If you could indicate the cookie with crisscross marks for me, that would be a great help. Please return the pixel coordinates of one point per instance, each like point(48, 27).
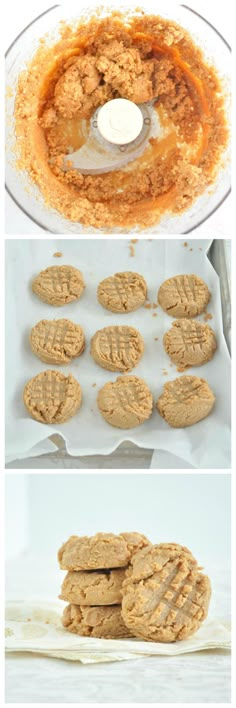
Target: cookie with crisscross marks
point(189, 343)
point(126, 402)
point(185, 401)
point(51, 397)
point(57, 341)
point(122, 292)
point(105, 622)
point(59, 285)
point(117, 348)
point(184, 296)
point(165, 596)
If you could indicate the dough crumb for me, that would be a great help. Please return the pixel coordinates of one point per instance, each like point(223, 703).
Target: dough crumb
point(94, 384)
point(185, 244)
point(208, 316)
point(150, 305)
point(154, 314)
point(58, 254)
point(156, 339)
point(131, 251)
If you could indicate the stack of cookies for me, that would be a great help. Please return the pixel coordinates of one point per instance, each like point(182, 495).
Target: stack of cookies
point(123, 586)
point(96, 571)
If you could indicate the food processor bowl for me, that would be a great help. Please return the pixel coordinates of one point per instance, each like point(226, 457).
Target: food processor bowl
point(18, 183)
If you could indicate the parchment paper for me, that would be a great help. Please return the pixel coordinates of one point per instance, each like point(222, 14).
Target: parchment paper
point(204, 445)
point(36, 627)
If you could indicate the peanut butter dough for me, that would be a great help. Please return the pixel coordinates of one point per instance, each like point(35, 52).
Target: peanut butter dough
point(122, 292)
point(184, 296)
point(126, 402)
point(189, 343)
point(141, 58)
point(51, 397)
point(57, 341)
point(185, 401)
point(117, 348)
point(165, 596)
point(104, 622)
point(59, 285)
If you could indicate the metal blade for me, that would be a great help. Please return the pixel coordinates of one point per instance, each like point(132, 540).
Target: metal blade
point(98, 155)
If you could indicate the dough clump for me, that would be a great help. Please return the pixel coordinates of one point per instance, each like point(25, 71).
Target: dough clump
point(189, 343)
point(126, 402)
point(51, 397)
point(185, 401)
point(122, 292)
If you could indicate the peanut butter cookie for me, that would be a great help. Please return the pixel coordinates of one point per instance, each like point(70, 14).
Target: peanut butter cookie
point(126, 402)
point(135, 541)
point(165, 596)
point(51, 397)
point(189, 343)
point(185, 401)
point(104, 550)
point(57, 341)
point(59, 285)
point(93, 587)
point(104, 622)
point(117, 348)
point(122, 292)
point(183, 296)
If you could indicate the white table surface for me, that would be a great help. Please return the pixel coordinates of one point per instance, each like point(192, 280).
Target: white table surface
point(190, 678)
point(203, 677)
point(18, 15)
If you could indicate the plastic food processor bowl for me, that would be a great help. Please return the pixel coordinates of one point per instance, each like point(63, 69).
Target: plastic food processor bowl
point(18, 184)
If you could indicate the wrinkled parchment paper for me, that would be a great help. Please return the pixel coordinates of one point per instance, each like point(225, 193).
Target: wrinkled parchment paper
point(206, 444)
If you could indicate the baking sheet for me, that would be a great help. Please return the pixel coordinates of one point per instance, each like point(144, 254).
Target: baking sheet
point(205, 445)
point(36, 627)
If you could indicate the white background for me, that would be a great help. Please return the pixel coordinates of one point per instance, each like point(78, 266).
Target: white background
point(18, 14)
point(191, 509)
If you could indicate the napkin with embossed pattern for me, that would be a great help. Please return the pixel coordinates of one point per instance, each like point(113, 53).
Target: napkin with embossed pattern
point(36, 628)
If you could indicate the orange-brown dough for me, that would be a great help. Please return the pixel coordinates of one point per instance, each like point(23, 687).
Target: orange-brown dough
point(142, 59)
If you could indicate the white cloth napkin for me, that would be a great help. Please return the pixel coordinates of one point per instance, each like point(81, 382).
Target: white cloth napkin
point(36, 627)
